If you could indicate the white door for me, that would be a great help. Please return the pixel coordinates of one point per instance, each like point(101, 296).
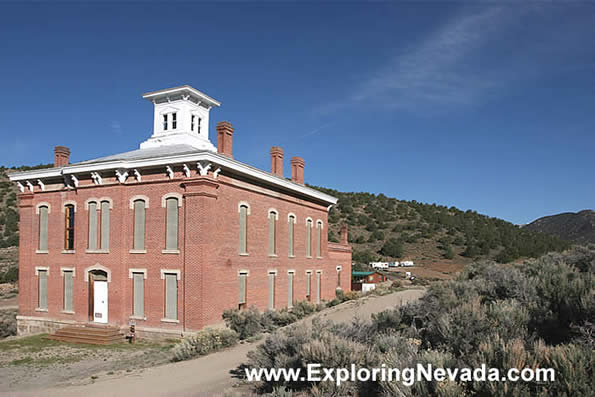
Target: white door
point(100, 301)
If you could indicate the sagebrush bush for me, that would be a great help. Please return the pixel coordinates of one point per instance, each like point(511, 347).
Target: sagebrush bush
point(8, 323)
point(537, 314)
point(246, 323)
point(204, 342)
point(303, 309)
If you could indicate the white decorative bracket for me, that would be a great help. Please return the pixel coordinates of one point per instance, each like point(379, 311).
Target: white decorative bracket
point(186, 170)
point(29, 185)
point(203, 167)
point(41, 185)
point(170, 172)
point(96, 178)
point(75, 180)
point(21, 187)
point(121, 175)
point(137, 175)
point(216, 173)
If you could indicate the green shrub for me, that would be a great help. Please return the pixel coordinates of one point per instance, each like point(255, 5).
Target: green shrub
point(303, 309)
point(10, 276)
point(204, 342)
point(246, 323)
point(8, 322)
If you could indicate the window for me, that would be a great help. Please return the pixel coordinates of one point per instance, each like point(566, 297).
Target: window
point(272, 232)
point(139, 225)
point(318, 286)
point(338, 276)
point(272, 276)
point(243, 278)
point(308, 285)
point(309, 238)
point(68, 278)
point(171, 296)
point(174, 121)
point(290, 275)
point(138, 306)
point(92, 225)
point(42, 289)
point(318, 239)
point(199, 121)
point(69, 227)
point(290, 233)
point(192, 122)
point(243, 229)
point(43, 228)
point(165, 122)
point(104, 240)
point(171, 235)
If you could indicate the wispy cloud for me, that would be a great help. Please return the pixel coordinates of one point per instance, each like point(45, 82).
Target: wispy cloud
point(116, 127)
point(437, 71)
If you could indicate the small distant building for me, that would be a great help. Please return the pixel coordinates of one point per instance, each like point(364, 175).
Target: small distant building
point(407, 263)
point(379, 265)
point(393, 264)
point(365, 281)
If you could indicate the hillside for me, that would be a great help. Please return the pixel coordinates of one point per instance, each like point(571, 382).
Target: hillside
point(577, 227)
point(386, 228)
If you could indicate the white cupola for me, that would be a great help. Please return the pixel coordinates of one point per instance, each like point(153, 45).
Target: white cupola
point(181, 117)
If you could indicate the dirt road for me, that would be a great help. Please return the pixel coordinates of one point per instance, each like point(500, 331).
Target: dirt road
point(210, 375)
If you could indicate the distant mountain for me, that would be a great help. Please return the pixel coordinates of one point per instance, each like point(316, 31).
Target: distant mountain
point(576, 227)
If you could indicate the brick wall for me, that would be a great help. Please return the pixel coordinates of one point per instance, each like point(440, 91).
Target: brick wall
point(209, 258)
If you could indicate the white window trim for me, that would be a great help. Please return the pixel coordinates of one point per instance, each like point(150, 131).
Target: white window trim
point(68, 202)
point(177, 272)
point(272, 271)
point(309, 219)
point(244, 203)
point(67, 269)
point(292, 271)
point(308, 271)
point(139, 197)
point(339, 268)
point(89, 201)
point(243, 272)
point(294, 218)
point(318, 271)
point(274, 211)
point(43, 204)
point(42, 268)
point(132, 271)
point(97, 266)
point(171, 195)
point(109, 200)
point(319, 222)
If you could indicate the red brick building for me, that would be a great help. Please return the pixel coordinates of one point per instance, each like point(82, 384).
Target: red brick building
point(172, 234)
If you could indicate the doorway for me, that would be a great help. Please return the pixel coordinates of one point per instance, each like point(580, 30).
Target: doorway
point(98, 296)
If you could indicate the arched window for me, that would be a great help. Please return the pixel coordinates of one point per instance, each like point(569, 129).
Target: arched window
point(139, 225)
point(171, 235)
point(309, 238)
point(92, 208)
point(290, 227)
point(105, 214)
point(44, 210)
point(244, 211)
point(69, 227)
point(319, 239)
point(273, 232)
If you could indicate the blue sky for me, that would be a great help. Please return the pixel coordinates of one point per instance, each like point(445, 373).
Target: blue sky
point(482, 105)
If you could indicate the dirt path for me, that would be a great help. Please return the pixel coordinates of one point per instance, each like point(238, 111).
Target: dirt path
point(211, 374)
point(10, 303)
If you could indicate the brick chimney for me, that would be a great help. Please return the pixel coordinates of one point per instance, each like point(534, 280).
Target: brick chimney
point(225, 138)
point(61, 156)
point(344, 234)
point(297, 170)
point(277, 161)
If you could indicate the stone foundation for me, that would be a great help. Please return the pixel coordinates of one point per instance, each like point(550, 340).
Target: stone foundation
point(37, 325)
